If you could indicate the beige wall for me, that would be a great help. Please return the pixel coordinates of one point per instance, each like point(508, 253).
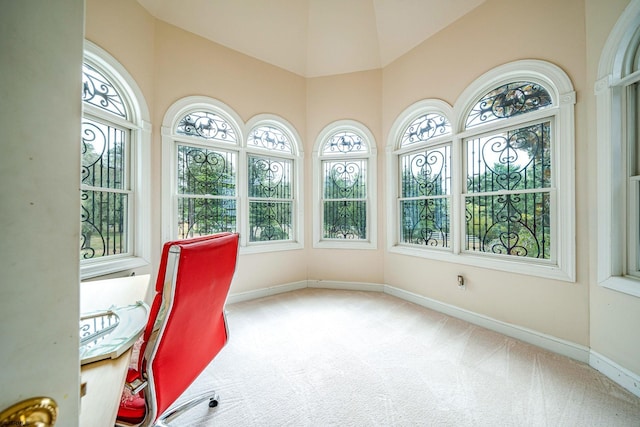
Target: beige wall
point(442, 67)
point(354, 96)
point(169, 63)
point(614, 316)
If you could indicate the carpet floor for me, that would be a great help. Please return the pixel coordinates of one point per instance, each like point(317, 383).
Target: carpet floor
point(318, 357)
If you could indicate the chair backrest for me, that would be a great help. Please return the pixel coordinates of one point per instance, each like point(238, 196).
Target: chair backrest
point(186, 327)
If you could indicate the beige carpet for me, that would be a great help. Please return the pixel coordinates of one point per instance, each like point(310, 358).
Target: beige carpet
point(317, 357)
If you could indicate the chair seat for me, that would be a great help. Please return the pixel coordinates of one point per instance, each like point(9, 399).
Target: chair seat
point(132, 408)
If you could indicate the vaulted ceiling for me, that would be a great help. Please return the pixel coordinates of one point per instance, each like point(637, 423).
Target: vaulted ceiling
point(314, 37)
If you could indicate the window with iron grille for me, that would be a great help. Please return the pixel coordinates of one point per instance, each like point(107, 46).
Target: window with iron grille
point(114, 144)
point(270, 183)
point(489, 182)
point(345, 172)
point(221, 180)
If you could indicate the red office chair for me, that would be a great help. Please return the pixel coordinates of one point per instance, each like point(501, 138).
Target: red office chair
point(186, 328)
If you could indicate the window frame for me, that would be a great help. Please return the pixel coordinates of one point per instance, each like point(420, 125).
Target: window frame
point(618, 210)
point(297, 241)
point(170, 140)
point(138, 127)
point(370, 156)
point(563, 167)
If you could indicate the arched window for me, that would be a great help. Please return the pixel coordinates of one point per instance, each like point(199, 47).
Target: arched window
point(618, 106)
point(200, 178)
point(344, 190)
point(273, 182)
point(114, 171)
point(424, 165)
point(223, 175)
point(489, 182)
point(509, 181)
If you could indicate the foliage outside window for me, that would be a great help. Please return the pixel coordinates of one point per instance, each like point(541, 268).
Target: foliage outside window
point(206, 175)
point(206, 191)
point(489, 182)
point(508, 205)
point(225, 175)
point(270, 185)
point(105, 188)
point(343, 194)
point(425, 183)
point(114, 180)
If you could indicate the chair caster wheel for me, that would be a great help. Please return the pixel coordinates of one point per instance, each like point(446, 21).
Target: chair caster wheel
point(213, 403)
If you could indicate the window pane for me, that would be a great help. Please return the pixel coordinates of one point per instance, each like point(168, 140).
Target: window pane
point(97, 90)
point(202, 216)
point(424, 128)
point(270, 138)
point(103, 155)
point(206, 172)
point(509, 224)
point(426, 173)
point(513, 160)
point(269, 177)
point(508, 100)
point(345, 179)
point(345, 220)
point(426, 222)
point(103, 224)
point(270, 221)
point(206, 125)
point(344, 142)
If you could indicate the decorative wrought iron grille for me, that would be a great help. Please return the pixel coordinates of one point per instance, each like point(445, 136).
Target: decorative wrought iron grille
point(270, 199)
point(206, 187)
point(508, 205)
point(424, 128)
point(270, 138)
point(508, 100)
point(425, 197)
point(99, 91)
point(104, 196)
point(206, 125)
point(344, 142)
point(345, 205)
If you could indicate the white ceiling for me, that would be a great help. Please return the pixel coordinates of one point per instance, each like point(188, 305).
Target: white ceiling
point(314, 37)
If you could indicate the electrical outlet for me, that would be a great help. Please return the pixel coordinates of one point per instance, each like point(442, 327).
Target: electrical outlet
point(461, 282)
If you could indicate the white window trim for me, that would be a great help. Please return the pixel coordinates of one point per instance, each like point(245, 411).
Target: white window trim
point(140, 159)
point(169, 147)
point(371, 156)
point(563, 95)
point(298, 184)
point(393, 152)
point(170, 142)
point(611, 144)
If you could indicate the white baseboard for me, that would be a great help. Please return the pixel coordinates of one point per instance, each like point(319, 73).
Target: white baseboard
point(350, 286)
point(607, 367)
point(548, 342)
point(615, 372)
point(265, 292)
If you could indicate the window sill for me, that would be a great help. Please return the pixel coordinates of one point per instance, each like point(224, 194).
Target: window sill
point(344, 244)
point(532, 268)
point(626, 285)
point(101, 268)
point(256, 248)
